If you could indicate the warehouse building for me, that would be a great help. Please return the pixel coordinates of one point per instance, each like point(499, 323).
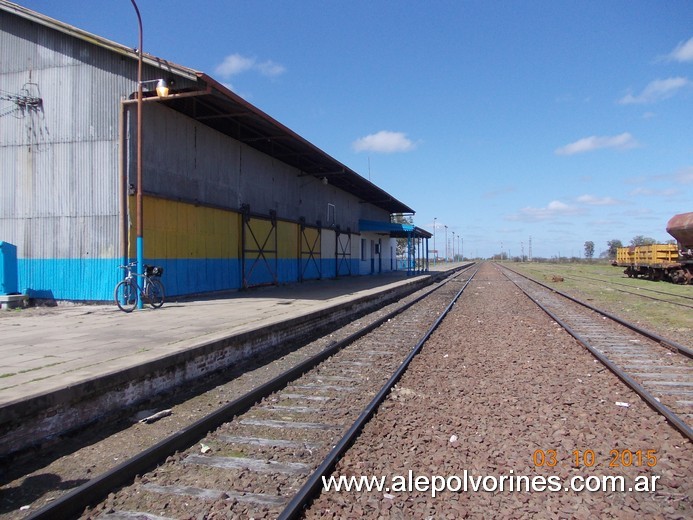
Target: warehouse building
point(230, 198)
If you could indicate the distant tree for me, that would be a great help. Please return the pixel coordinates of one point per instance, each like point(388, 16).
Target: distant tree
point(613, 245)
point(640, 240)
point(398, 218)
point(589, 249)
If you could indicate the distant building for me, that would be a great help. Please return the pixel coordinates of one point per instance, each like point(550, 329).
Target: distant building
point(231, 197)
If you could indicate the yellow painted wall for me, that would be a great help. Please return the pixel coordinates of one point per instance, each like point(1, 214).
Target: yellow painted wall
point(310, 240)
point(287, 239)
point(180, 230)
point(259, 235)
point(175, 229)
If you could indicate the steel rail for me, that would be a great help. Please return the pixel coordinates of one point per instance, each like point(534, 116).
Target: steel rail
point(667, 343)
point(653, 298)
point(638, 288)
point(311, 488)
point(72, 504)
point(672, 417)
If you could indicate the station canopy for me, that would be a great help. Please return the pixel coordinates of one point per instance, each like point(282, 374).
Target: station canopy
point(394, 229)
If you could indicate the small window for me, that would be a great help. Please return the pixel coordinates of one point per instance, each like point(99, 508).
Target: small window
point(363, 249)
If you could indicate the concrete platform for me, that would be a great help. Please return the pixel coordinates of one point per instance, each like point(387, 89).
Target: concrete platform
point(65, 366)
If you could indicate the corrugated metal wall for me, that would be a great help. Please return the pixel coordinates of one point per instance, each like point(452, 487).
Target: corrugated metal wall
point(197, 246)
point(59, 160)
point(60, 186)
point(187, 160)
point(193, 164)
point(204, 249)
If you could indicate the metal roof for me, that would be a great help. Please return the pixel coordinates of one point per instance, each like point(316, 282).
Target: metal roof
point(217, 107)
point(214, 105)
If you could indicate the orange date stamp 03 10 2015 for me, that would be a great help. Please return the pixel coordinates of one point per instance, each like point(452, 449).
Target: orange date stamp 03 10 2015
point(588, 458)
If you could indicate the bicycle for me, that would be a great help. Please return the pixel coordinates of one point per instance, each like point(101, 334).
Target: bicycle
point(126, 291)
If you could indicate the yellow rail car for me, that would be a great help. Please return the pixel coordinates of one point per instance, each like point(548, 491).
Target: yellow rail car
point(670, 262)
point(654, 262)
point(655, 254)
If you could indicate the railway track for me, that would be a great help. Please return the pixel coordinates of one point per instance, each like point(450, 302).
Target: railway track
point(658, 369)
point(666, 297)
point(264, 454)
point(638, 291)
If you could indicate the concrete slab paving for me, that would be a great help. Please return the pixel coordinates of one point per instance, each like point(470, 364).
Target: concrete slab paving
point(46, 349)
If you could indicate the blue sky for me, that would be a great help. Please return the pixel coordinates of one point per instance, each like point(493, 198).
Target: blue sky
point(563, 121)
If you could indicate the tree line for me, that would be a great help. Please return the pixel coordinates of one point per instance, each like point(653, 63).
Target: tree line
point(614, 244)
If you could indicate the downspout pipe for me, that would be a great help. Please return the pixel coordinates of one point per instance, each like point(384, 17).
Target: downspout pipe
point(122, 185)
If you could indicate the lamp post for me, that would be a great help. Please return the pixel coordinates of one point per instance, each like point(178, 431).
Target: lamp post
point(162, 91)
point(446, 243)
point(435, 251)
point(138, 196)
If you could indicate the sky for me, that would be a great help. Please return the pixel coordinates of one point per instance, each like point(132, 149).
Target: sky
point(504, 122)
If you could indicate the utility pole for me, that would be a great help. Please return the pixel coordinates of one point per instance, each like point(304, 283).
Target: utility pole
point(435, 251)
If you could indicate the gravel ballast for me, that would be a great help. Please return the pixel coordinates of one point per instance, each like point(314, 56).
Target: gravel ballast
point(500, 390)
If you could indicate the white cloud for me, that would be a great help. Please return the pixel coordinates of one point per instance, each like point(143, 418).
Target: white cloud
point(654, 192)
point(270, 68)
point(656, 90)
point(591, 200)
point(662, 185)
point(235, 64)
point(554, 209)
point(384, 142)
point(683, 52)
point(588, 144)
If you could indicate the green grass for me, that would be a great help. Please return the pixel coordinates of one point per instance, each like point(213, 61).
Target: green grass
point(602, 285)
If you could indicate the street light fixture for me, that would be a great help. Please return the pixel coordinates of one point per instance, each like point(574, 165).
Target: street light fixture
point(161, 86)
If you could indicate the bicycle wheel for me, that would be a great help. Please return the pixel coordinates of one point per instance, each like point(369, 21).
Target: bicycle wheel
point(125, 295)
point(155, 293)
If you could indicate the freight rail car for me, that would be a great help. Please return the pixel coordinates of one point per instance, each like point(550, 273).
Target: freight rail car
point(670, 262)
